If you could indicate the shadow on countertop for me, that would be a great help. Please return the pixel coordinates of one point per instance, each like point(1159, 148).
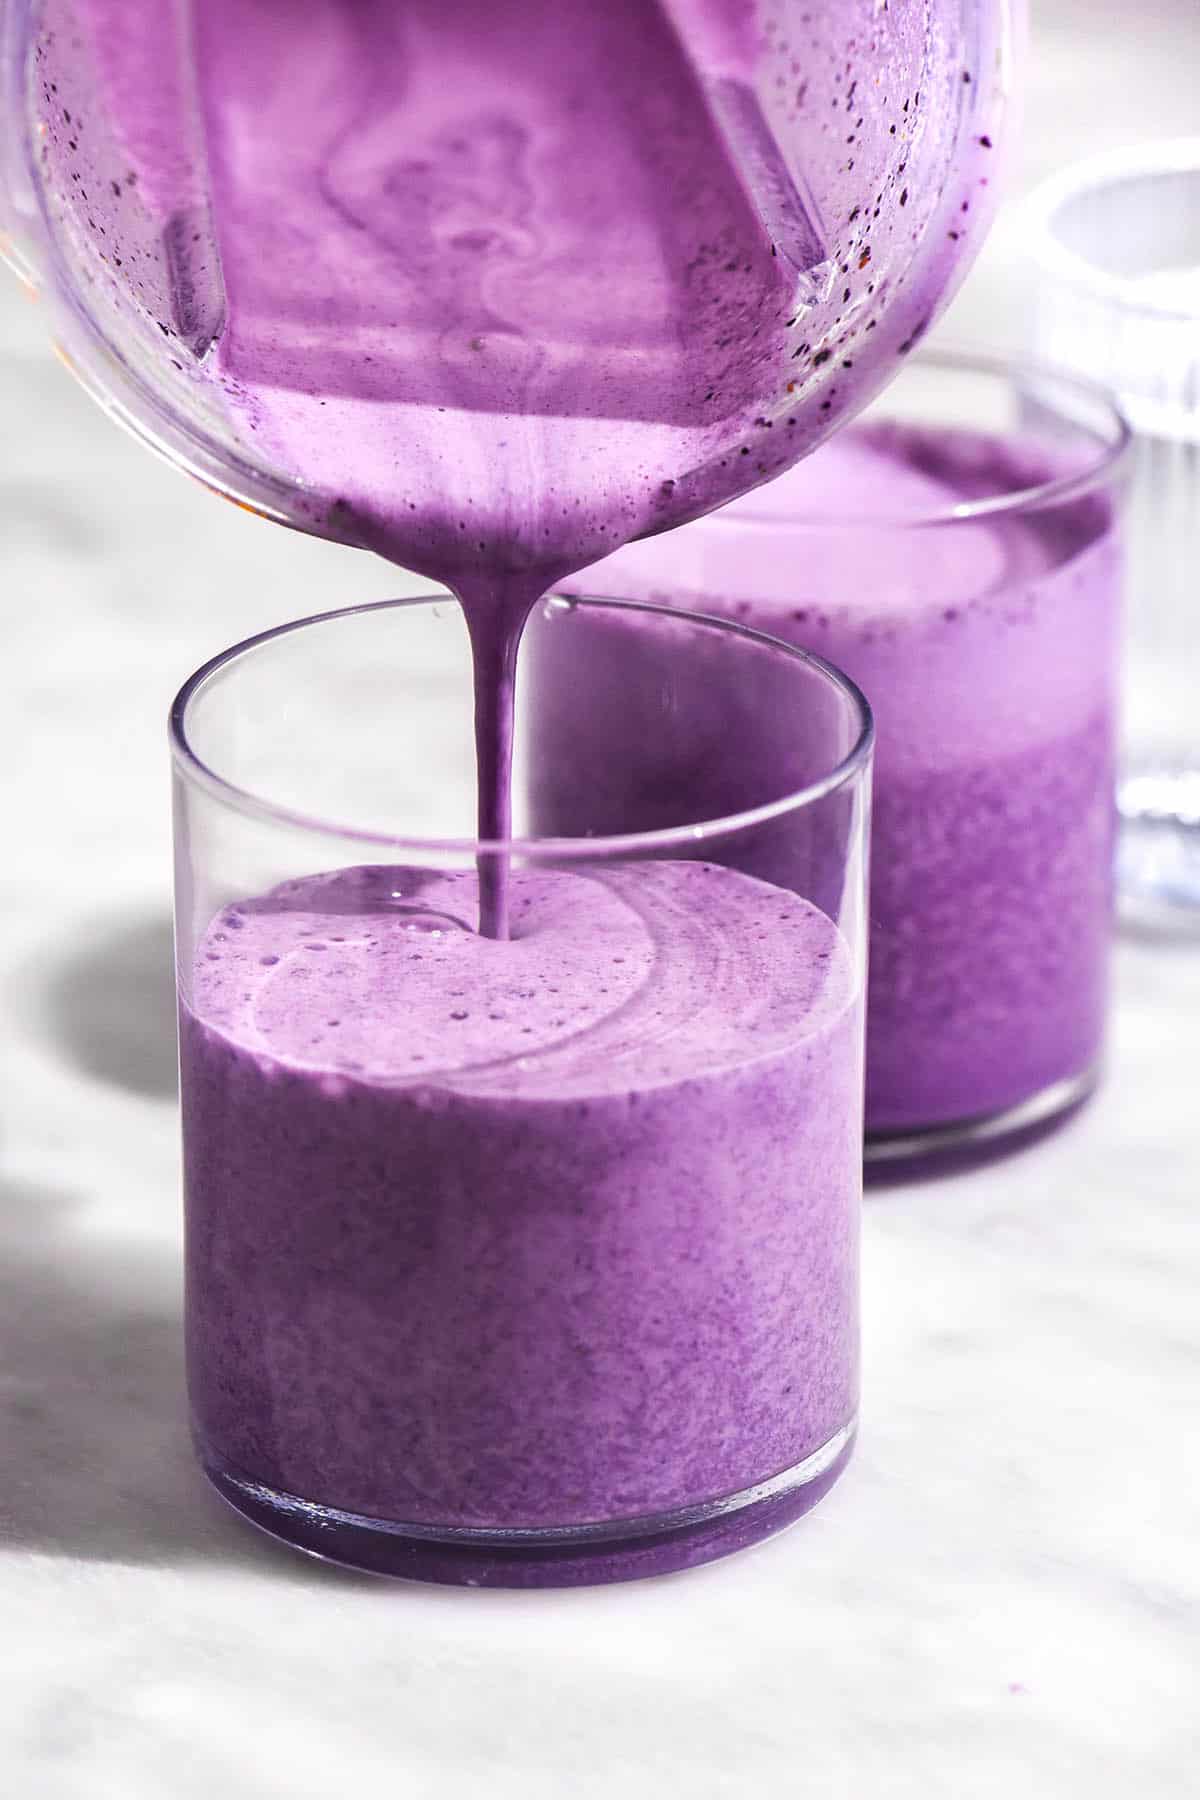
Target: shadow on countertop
point(968, 1158)
point(109, 1005)
point(96, 1463)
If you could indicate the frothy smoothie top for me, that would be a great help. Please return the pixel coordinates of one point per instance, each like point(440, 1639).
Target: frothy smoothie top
point(616, 980)
point(880, 527)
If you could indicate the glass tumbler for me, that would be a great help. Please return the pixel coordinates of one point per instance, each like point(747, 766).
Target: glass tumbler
point(957, 553)
point(523, 1262)
point(1115, 248)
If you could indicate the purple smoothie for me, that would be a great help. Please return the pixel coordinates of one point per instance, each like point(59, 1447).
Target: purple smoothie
point(494, 289)
point(552, 1232)
point(988, 652)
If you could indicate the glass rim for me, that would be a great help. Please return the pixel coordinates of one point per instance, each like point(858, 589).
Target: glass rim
point(1105, 468)
point(1109, 169)
point(194, 769)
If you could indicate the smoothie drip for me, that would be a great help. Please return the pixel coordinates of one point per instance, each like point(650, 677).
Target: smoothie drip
point(495, 612)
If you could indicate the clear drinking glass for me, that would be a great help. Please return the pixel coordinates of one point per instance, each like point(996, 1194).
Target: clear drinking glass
point(1115, 246)
point(528, 1262)
point(957, 553)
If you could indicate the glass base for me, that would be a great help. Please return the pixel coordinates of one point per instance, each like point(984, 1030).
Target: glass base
point(576, 1556)
point(1158, 854)
point(941, 1149)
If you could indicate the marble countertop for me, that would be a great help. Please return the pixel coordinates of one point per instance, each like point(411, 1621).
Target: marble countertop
point(1002, 1596)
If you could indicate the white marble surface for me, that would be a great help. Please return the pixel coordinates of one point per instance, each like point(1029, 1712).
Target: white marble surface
point(1001, 1597)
